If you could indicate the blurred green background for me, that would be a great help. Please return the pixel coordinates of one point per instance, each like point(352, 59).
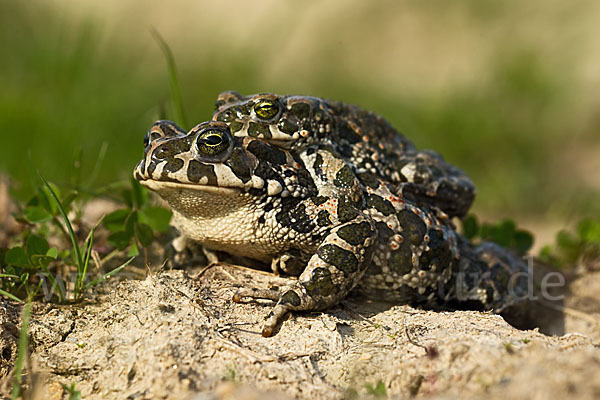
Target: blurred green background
point(506, 90)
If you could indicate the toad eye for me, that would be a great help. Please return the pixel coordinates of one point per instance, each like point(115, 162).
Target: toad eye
point(266, 109)
point(213, 142)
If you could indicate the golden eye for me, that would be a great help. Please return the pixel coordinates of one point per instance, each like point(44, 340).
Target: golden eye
point(212, 142)
point(266, 109)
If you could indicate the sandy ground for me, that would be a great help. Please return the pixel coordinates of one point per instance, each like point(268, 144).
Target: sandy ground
point(175, 336)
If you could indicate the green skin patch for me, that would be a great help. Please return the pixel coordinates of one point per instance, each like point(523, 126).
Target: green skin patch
point(343, 260)
point(413, 227)
point(288, 127)
point(256, 130)
point(290, 297)
point(344, 178)
point(356, 234)
point(239, 165)
point(323, 218)
point(197, 170)
point(380, 204)
point(172, 148)
point(401, 260)
point(321, 284)
point(268, 153)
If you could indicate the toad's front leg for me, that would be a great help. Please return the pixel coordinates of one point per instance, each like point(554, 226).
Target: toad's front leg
point(334, 270)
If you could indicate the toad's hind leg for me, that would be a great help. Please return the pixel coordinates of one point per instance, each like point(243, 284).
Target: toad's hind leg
point(334, 270)
point(490, 275)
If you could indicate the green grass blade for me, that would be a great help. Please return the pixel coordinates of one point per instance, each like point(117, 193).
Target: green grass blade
point(176, 97)
point(108, 274)
point(10, 296)
point(21, 352)
point(76, 248)
point(97, 164)
point(86, 262)
point(36, 291)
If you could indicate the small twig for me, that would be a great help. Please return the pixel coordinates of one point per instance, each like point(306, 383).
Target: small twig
point(202, 271)
point(162, 266)
point(97, 260)
point(253, 356)
point(363, 318)
point(253, 270)
point(224, 271)
point(183, 294)
point(109, 256)
point(410, 339)
point(430, 351)
point(294, 356)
